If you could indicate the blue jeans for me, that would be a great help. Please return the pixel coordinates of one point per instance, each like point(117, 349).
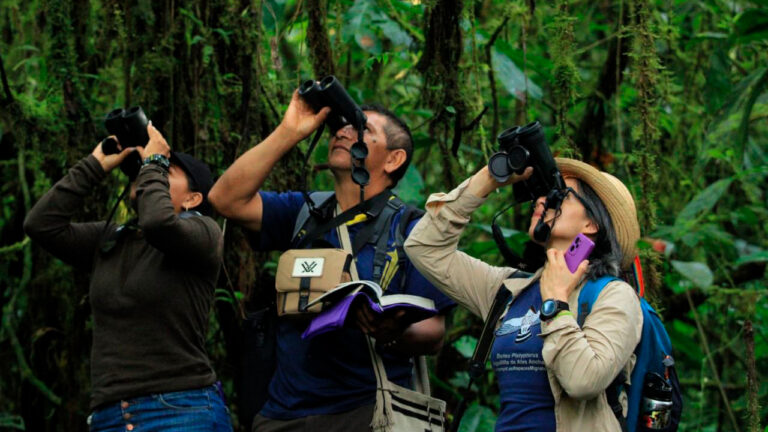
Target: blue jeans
point(190, 410)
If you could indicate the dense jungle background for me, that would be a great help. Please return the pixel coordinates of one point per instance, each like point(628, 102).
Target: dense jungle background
point(670, 95)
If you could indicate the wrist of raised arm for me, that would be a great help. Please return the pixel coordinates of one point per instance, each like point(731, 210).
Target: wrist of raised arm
point(285, 137)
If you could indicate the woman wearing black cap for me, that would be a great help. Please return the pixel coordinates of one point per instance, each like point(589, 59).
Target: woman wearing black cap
point(151, 289)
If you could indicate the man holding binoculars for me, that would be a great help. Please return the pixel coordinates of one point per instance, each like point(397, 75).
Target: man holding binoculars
point(328, 382)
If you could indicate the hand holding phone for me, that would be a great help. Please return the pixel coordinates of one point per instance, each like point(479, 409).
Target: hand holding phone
point(578, 251)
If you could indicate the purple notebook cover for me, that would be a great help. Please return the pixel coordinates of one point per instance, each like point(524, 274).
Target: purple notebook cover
point(334, 317)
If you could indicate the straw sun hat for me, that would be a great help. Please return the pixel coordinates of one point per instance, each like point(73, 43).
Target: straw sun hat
point(617, 200)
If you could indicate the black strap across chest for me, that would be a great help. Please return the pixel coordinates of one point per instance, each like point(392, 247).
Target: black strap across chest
point(380, 211)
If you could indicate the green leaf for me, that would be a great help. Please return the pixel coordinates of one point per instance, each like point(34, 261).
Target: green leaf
point(704, 201)
point(718, 79)
point(207, 53)
point(683, 337)
point(395, 33)
point(711, 35)
point(11, 421)
point(465, 345)
point(512, 78)
point(410, 188)
point(756, 257)
point(358, 25)
point(189, 14)
point(755, 91)
point(697, 272)
point(751, 25)
point(478, 418)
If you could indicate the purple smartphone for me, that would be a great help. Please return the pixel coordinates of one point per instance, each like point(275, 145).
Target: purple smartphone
point(578, 251)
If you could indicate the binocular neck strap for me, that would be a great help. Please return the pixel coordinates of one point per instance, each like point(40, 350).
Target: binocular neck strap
point(313, 143)
point(360, 123)
point(310, 202)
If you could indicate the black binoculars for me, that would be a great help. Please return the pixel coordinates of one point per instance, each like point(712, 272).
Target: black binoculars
point(330, 93)
point(130, 128)
point(344, 111)
point(521, 147)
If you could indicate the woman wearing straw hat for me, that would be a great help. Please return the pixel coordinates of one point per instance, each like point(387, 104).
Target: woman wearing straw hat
point(552, 373)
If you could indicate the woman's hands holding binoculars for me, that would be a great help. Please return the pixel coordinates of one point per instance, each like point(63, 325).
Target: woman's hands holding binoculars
point(156, 145)
point(110, 161)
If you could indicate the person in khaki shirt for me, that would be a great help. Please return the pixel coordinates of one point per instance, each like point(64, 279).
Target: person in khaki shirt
point(552, 374)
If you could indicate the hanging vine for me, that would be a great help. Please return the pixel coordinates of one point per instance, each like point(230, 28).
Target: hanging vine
point(566, 75)
point(645, 134)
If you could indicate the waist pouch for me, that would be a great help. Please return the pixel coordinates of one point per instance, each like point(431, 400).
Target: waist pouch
point(305, 274)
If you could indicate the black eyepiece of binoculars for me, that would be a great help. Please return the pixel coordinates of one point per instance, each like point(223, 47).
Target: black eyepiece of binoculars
point(519, 148)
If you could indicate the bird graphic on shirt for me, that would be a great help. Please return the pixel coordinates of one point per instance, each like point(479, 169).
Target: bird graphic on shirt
point(522, 325)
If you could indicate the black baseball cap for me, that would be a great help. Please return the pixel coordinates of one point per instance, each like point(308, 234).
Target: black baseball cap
point(201, 179)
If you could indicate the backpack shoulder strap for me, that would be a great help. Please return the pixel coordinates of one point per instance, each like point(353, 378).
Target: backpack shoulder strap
point(381, 236)
point(320, 199)
point(410, 213)
point(588, 296)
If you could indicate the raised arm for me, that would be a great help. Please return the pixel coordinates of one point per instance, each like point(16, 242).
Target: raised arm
point(49, 222)
point(196, 239)
point(236, 194)
point(432, 245)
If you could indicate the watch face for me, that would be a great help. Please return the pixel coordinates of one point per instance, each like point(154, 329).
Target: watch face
point(548, 307)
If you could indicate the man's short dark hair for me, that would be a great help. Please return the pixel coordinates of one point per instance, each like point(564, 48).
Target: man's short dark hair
point(398, 137)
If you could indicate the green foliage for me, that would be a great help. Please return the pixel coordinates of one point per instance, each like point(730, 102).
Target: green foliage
point(683, 125)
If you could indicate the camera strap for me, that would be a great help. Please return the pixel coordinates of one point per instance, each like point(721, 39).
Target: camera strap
point(485, 342)
point(106, 244)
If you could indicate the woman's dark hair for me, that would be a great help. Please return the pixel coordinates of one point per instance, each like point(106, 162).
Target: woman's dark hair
point(606, 257)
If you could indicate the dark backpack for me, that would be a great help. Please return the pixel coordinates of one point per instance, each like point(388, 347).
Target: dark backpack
point(654, 363)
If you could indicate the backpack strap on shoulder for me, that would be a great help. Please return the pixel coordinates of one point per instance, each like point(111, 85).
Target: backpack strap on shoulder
point(587, 298)
point(320, 199)
point(381, 229)
point(410, 213)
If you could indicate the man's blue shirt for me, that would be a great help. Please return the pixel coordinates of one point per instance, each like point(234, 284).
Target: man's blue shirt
point(330, 373)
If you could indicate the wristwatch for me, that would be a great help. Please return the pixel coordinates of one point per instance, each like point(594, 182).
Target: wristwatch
point(159, 160)
point(552, 307)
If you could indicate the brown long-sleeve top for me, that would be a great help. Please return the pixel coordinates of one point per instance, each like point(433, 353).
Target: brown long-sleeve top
point(150, 294)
